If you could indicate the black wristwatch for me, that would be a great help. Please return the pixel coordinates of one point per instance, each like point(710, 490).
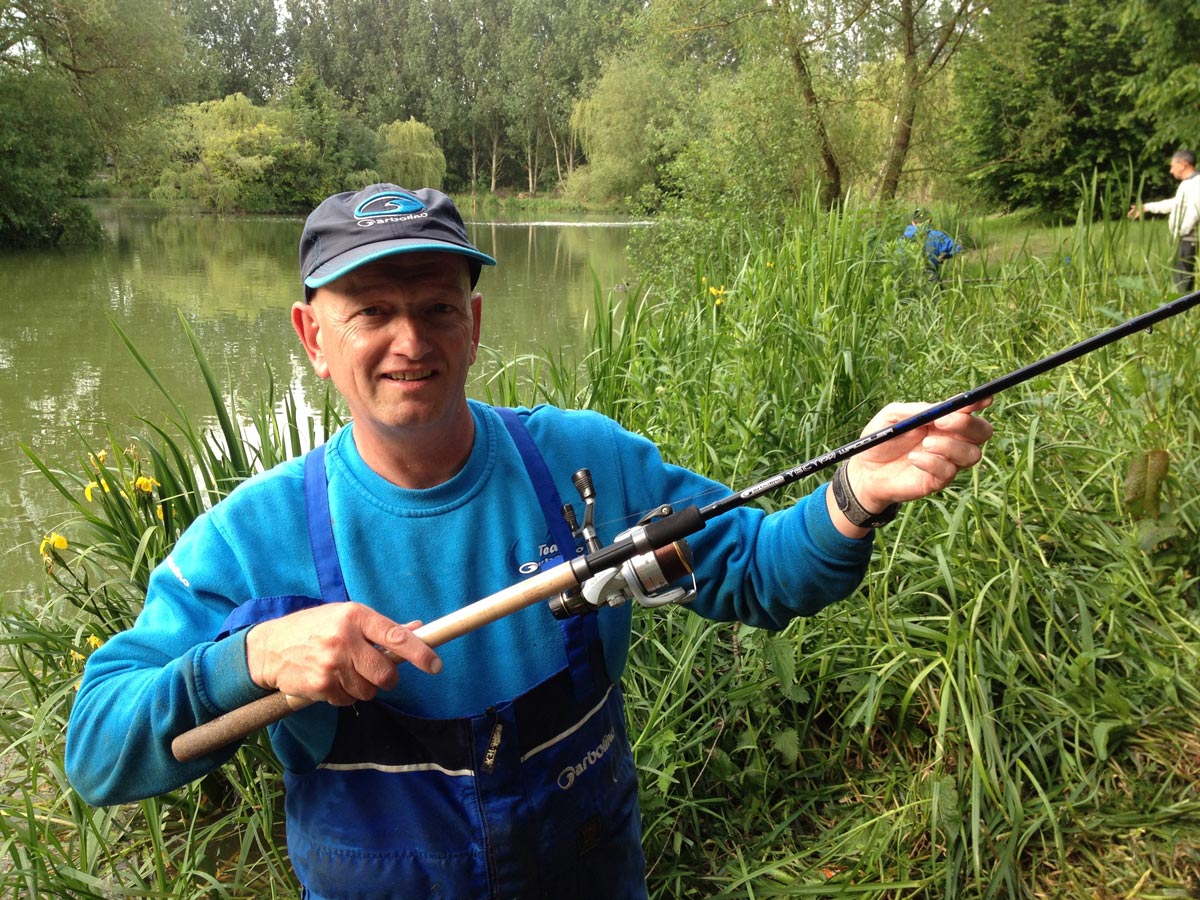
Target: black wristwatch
point(844, 497)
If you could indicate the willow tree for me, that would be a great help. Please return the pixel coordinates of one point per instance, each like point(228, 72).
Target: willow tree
point(410, 155)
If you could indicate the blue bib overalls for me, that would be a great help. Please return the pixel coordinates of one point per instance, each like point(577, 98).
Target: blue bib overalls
point(532, 798)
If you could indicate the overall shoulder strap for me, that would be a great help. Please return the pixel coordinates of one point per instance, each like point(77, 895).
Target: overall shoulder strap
point(320, 528)
point(543, 483)
point(320, 536)
point(581, 635)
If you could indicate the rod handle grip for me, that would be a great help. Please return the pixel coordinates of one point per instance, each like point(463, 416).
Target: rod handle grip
point(240, 723)
point(235, 725)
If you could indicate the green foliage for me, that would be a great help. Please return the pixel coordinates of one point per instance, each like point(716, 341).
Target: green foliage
point(1164, 34)
point(220, 837)
point(118, 55)
point(410, 156)
point(46, 154)
point(222, 152)
point(622, 126)
point(613, 102)
point(232, 155)
point(1039, 117)
point(239, 44)
point(755, 149)
point(75, 77)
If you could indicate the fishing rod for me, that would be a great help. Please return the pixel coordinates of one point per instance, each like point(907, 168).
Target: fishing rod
point(654, 552)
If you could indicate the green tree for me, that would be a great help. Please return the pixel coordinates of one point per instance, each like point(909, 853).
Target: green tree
point(495, 79)
point(232, 155)
point(483, 88)
point(47, 152)
point(76, 76)
point(553, 51)
point(803, 80)
point(327, 148)
point(1043, 102)
point(928, 35)
point(465, 102)
point(1162, 39)
point(239, 44)
point(370, 53)
point(625, 126)
point(223, 155)
point(410, 155)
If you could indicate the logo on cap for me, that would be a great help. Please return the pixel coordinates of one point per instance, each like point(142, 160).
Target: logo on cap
point(388, 203)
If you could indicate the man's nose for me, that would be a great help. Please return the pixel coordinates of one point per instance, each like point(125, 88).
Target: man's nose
point(408, 337)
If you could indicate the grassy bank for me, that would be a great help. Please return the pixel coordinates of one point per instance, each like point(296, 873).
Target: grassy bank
point(1009, 707)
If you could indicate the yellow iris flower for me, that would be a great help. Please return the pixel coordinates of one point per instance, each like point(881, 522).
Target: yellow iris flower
point(145, 484)
point(94, 486)
point(53, 540)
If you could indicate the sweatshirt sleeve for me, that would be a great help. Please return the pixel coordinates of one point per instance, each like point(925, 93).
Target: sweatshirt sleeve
point(1159, 207)
point(147, 685)
point(763, 570)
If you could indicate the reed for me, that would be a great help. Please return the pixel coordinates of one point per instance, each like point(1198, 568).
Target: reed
point(1008, 707)
point(129, 500)
point(1025, 643)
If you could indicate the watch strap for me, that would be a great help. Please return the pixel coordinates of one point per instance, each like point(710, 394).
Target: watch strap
point(858, 515)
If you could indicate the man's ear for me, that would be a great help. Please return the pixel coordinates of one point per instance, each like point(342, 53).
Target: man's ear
point(308, 329)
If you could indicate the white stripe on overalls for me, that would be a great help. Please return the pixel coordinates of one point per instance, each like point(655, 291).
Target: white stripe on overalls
point(434, 767)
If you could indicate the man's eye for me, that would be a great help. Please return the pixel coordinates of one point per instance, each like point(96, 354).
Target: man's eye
point(370, 311)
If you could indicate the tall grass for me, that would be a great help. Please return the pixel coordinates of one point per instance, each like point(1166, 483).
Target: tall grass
point(1009, 707)
point(220, 837)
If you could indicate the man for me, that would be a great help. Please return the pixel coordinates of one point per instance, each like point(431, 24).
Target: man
point(938, 245)
point(498, 767)
point(1183, 212)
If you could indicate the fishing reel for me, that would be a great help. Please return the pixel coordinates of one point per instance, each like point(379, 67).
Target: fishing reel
point(645, 579)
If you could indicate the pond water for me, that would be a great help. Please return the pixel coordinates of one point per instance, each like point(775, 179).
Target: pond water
point(66, 374)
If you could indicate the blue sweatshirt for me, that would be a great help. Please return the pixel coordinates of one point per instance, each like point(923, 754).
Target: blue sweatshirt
point(939, 246)
point(419, 554)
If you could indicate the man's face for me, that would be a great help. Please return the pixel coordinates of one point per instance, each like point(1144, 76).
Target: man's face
point(1178, 168)
point(397, 338)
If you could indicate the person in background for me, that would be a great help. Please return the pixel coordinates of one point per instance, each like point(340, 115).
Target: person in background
point(499, 765)
point(938, 245)
point(1183, 214)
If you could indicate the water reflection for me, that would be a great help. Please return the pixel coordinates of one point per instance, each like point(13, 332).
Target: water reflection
point(65, 374)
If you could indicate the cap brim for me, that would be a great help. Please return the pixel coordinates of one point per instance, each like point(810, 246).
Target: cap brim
point(360, 256)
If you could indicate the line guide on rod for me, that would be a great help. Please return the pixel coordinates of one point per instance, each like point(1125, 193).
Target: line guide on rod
point(244, 721)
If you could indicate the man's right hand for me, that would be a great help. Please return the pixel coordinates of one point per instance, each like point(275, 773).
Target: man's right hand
point(333, 653)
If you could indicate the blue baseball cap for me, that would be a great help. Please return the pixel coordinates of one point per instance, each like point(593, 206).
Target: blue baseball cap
point(351, 229)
